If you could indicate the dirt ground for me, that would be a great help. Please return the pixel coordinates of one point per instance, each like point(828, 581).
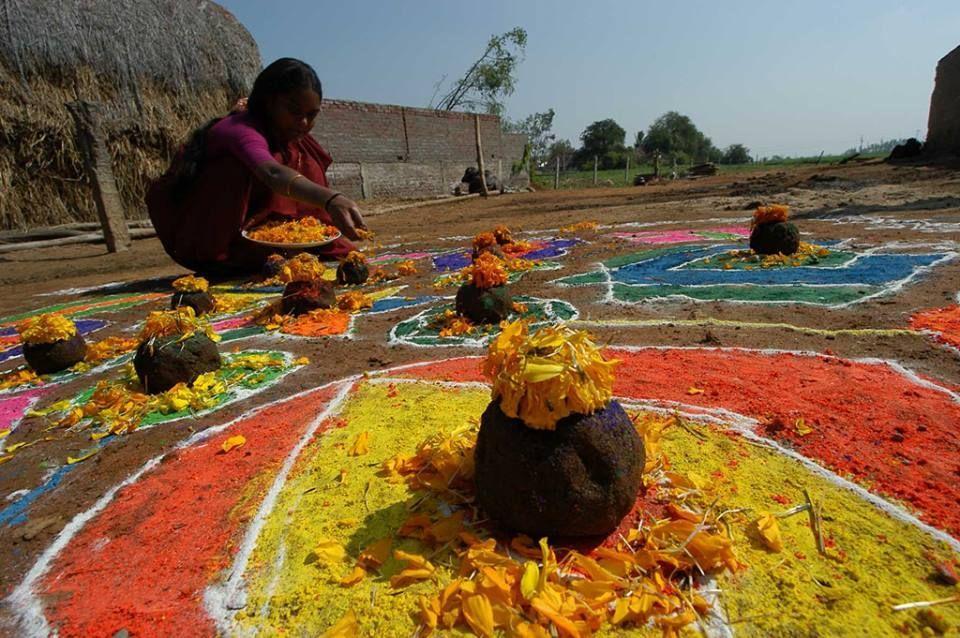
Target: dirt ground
point(870, 205)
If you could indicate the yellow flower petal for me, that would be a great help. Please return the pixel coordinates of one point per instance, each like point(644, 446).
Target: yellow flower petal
point(361, 446)
point(233, 442)
point(531, 579)
point(346, 627)
point(479, 614)
point(769, 531)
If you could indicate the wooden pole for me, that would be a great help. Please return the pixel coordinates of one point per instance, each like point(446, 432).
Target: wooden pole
point(626, 173)
point(483, 179)
point(594, 170)
point(556, 175)
point(92, 145)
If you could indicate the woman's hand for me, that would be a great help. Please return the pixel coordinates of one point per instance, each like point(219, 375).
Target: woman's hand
point(346, 216)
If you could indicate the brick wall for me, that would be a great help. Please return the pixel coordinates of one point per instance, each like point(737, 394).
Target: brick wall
point(943, 134)
point(381, 150)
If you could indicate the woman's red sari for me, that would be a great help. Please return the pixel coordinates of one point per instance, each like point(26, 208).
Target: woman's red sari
point(201, 231)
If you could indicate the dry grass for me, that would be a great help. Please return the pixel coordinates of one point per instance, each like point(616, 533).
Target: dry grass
point(159, 69)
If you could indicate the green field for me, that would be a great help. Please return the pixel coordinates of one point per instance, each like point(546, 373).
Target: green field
point(544, 178)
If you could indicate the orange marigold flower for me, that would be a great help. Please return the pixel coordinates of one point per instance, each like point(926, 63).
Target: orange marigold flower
point(109, 348)
point(298, 231)
point(770, 214)
point(46, 328)
point(548, 375)
point(406, 268)
point(502, 234)
point(354, 301)
point(484, 240)
point(191, 283)
point(487, 271)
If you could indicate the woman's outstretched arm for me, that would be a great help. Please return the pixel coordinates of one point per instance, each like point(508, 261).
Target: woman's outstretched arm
point(285, 181)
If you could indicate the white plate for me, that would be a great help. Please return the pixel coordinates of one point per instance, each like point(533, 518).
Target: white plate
point(296, 246)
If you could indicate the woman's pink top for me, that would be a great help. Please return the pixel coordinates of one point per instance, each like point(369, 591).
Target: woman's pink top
point(239, 135)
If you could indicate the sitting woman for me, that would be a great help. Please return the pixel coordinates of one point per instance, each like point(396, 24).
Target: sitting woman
point(255, 165)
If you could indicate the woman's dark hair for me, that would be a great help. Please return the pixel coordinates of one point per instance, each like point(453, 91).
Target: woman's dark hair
point(282, 76)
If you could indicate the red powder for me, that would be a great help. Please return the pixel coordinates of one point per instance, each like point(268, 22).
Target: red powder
point(144, 563)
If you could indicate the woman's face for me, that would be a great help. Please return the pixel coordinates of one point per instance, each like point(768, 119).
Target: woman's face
point(292, 114)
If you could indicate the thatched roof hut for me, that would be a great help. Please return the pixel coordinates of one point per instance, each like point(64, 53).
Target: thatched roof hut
point(158, 67)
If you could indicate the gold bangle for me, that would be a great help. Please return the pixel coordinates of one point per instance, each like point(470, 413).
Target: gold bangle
point(292, 180)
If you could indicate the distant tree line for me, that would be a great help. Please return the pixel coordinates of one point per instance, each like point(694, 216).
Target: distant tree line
point(673, 136)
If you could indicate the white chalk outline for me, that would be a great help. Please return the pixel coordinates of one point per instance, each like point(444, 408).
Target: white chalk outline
point(608, 297)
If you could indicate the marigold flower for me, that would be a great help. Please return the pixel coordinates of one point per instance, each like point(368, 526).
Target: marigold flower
point(544, 377)
point(356, 258)
point(579, 227)
point(484, 240)
point(191, 283)
point(354, 301)
point(502, 234)
point(298, 231)
point(487, 271)
point(406, 268)
point(46, 328)
point(181, 321)
point(109, 348)
point(302, 267)
point(770, 214)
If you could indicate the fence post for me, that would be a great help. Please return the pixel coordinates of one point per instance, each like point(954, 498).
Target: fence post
point(92, 145)
point(594, 170)
point(483, 179)
point(366, 190)
point(556, 175)
point(626, 173)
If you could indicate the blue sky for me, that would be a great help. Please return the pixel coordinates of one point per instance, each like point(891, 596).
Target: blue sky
point(781, 77)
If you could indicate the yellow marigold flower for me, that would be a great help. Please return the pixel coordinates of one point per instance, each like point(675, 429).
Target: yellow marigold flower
point(487, 271)
point(354, 301)
point(355, 258)
point(298, 231)
point(406, 268)
point(46, 328)
point(303, 267)
point(191, 283)
point(578, 227)
point(770, 214)
point(180, 321)
point(544, 377)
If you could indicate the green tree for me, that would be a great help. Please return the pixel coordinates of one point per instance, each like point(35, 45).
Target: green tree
point(490, 79)
point(562, 149)
point(676, 136)
point(536, 127)
point(736, 154)
point(603, 139)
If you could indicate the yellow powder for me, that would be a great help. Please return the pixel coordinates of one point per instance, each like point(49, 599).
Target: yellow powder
point(782, 594)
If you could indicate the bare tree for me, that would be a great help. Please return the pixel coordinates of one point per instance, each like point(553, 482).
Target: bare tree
point(491, 78)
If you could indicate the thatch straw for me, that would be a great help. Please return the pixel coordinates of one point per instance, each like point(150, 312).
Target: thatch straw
point(159, 68)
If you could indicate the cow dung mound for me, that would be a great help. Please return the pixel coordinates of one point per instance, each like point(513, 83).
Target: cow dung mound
point(300, 297)
point(775, 238)
point(47, 358)
point(580, 479)
point(489, 306)
point(201, 302)
point(163, 363)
